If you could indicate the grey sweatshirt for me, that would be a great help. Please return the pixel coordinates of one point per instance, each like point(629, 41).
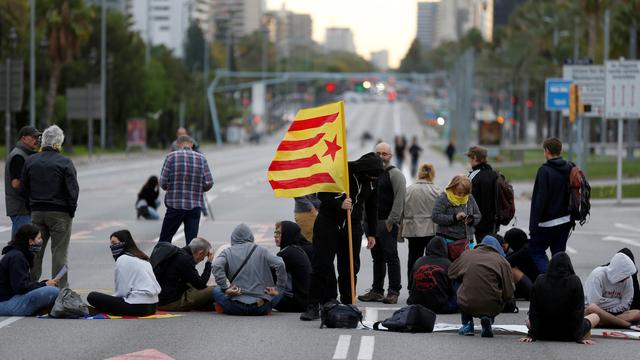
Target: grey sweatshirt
point(444, 215)
point(399, 184)
point(605, 286)
point(256, 274)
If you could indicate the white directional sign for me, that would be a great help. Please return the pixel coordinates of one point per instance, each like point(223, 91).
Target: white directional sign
point(591, 81)
point(623, 89)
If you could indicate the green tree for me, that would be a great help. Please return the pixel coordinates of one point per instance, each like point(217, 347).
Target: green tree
point(194, 47)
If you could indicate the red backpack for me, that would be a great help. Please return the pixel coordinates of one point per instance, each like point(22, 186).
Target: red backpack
point(579, 195)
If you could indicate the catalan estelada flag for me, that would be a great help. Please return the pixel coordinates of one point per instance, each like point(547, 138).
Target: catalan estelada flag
point(312, 157)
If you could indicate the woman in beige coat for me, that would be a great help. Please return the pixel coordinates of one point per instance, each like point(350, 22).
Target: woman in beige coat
point(417, 225)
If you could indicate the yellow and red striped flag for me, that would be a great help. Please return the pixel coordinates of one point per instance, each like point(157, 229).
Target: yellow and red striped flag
point(312, 157)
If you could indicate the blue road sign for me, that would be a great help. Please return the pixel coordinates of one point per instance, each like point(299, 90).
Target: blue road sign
point(557, 94)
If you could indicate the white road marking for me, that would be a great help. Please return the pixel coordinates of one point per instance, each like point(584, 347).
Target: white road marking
point(626, 227)
point(366, 348)
point(10, 321)
point(571, 250)
point(370, 314)
point(342, 348)
point(622, 240)
point(5, 228)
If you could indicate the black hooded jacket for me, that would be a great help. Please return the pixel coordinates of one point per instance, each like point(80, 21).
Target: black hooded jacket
point(363, 175)
point(429, 283)
point(520, 257)
point(557, 303)
point(483, 189)
point(15, 276)
point(550, 198)
point(298, 268)
point(293, 235)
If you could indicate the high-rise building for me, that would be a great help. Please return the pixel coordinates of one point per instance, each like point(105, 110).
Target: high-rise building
point(289, 31)
point(339, 39)
point(380, 59)
point(458, 17)
point(241, 17)
point(427, 23)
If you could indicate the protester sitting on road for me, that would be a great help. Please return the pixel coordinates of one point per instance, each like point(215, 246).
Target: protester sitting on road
point(136, 288)
point(183, 289)
point(243, 272)
point(609, 292)
point(293, 233)
point(417, 224)
point(148, 202)
point(456, 213)
point(19, 295)
point(429, 283)
point(486, 285)
point(523, 268)
point(556, 311)
point(297, 264)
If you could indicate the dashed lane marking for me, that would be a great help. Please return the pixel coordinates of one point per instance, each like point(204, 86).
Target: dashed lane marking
point(571, 250)
point(622, 240)
point(342, 348)
point(367, 344)
point(9, 321)
point(626, 227)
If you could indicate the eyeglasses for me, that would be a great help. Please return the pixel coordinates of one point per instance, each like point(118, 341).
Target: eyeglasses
point(380, 153)
point(277, 232)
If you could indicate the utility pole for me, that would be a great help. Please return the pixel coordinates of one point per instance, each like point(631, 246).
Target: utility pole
point(103, 75)
point(32, 63)
point(605, 57)
point(147, 53)
point(632, 123)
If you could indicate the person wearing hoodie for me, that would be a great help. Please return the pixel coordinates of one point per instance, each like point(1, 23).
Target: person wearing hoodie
point(330, 234)
point(549, 220)
point(609, 292)
point(556, 311)
point(289, 239)
point(635, 304)
point(523, 268)
point(243, 273)
point(486, 287)
point(293, 234)
point(19, 295)
point(429, 283)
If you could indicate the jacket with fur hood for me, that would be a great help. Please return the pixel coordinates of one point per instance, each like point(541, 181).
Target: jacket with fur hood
point(611, 287)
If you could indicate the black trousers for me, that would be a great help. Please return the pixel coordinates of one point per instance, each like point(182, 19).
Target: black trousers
point(417, 249)
point(385, 258)
point(331, 241)
point(117, 306)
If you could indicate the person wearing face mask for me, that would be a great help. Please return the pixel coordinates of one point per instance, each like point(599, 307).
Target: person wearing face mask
point(136, 288)
point(19, 295)
point(287, 236)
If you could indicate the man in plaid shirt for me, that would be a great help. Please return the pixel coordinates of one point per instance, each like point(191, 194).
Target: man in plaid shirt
point(185, 177)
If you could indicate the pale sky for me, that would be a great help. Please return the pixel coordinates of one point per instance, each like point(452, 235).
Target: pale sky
point(376, 24)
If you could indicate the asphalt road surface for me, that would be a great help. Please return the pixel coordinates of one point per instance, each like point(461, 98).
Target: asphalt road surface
point(108, 189)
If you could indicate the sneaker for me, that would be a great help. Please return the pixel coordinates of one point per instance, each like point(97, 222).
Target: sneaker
point(466, 329)
point(372, 296)
point(391, 298)
point(486, 327)
point(312, 313)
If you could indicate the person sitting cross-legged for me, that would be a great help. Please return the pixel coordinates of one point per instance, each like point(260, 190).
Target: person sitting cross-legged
point(298, 265)
point(243, 273)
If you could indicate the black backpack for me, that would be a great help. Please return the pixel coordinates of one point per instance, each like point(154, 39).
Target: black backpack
point(412, 318)
point(162, 252)
point(340, 316)
point(505, 200)
point(579, 195)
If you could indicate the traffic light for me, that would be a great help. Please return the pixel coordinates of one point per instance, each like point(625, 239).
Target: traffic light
point(359, 88)
point(574, 102)
point(330, 87)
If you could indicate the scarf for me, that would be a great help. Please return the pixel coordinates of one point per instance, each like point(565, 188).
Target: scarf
point(456, 200)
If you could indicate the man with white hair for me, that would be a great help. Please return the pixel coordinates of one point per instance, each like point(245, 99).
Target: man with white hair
point(49, 183)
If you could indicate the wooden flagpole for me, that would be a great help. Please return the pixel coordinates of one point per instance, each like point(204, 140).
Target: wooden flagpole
point(352, 273)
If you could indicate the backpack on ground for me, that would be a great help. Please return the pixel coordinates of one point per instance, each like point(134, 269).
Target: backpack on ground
point(335, 315)
point(579, 195)
point(505, 200)
point(69, 305)
point(412, 318)
point(162, 252)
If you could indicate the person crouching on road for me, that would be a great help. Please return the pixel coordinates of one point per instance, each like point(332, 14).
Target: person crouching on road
point(136, 288)
point(556, 311)
point(183, 289)
point(456, 213)
point(486, 287)
point(19, 295)
point(148, 202)
point(289, 239)
point(243, 272)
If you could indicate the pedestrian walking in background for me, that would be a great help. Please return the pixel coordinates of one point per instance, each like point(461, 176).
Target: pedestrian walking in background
point(136, 288)
point(417, 223)
point(148, 202)
point(450, 151)
point(414, 150)
point(183, 132)
point(486, 286)
point(305, 213)
point(20, 295)
point(455, 214)
point(391, 192)
point(483, 187)
point(27, 145)
point(185, 177)
point(49, 183)
point(550, 221)
point(400, 145)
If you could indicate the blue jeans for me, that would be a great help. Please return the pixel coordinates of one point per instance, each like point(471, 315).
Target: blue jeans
point(232, 307)
point(28, 304)
point(172, 220)
point(548, 237)
point(153, 214)
point(17, 221)
point(466, 318)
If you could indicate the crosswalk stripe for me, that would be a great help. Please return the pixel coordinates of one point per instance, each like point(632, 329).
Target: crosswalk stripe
point(342, 348)
point(367, 344)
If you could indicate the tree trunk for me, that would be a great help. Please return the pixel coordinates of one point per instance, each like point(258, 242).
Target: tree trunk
point(592, 28)
point(56, 69)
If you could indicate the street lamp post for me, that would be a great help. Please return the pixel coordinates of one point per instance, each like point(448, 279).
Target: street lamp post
point(13, 41)
point(32, 63)
point(44, 46)
point(103, 74)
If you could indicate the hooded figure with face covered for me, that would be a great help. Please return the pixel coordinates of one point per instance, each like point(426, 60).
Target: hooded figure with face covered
point(298, 265)
point(523, 267)
point(429, 284)
point(330, 233)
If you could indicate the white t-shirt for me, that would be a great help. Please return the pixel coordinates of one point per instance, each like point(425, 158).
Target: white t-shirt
point(135, 281)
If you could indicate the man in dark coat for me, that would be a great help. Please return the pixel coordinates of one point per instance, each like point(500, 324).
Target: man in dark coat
point(330, 233)
point(483, 188)
point(298, 265)
point(524, 269)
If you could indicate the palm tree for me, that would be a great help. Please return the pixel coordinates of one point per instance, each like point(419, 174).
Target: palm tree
point(68, 25)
